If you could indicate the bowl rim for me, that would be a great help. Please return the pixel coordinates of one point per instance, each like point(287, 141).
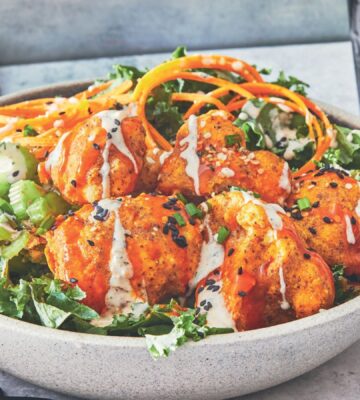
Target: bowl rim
point(303, 324)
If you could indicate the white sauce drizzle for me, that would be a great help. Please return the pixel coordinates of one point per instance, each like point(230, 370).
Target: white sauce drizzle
point(357, 208)
point(211, 257)
point(164, 156)
point(295, 145)
point(349, 231)
point(55, 155)
point(284, 182)
point(9, 125)
point(190, 155)
point(250, 109)
point(119, 296)
point(284, 303)
point(218, 315)
point(271, 210)
point(111, 120)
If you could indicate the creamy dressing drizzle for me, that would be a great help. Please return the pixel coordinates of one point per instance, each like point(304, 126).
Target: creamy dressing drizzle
point(190, 155)
point(119, 296)
point(250, 109)
point(55, 155)
point(349, 231)
point(271, 210)
point(357, 208)
point(284, 303)
point(9, 125)
point(211, 257)
point(284, 182)
point(218, 315)
point(111, 122)
point(164, 156)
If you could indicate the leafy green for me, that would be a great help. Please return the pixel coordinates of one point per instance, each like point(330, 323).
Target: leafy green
point(292, 83)
point(343, 292)
point(271, 123)
point(347, 151)
point(52, 303)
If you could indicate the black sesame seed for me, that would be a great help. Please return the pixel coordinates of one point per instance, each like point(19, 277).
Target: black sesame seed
point(240, 271)
point(167, 206)
point(166, 229)
point(231, 252)
point(333, 185)
point(327, 220)
point(197, 310)
point(73, 182)
point(117, 122)
point(91, 243)
point(312, 230)
point(172, 220)
point(210, 282)
point(296, 215)
point(96, 146)
point(191, 221)
point(180, 241)
point(202, 303)
point(307, 256)
point(73, 280)
point(109, 135)
point(113, 130)
point(101, 213)
point(201, 288)
point(316, 204)
point(215, 288)
point(62, 112)
point(207, 306)
point(242, 293)
point(216, 272)
point(353, 221)
point(15, 173)
point(176, 208)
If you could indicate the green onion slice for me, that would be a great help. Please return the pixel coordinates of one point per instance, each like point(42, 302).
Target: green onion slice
point(222, 234)
point(179, 219)
point(303, 204)
point(182, 198)
point(193, 211)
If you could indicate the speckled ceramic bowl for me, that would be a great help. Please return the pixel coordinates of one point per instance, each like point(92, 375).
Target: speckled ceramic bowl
point(224, 366)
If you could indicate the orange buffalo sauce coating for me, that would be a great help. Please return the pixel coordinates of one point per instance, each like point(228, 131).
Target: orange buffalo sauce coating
point(268, 275)
point(161, 260)
point(214, 163)
point(331, 225)
point(85, 158)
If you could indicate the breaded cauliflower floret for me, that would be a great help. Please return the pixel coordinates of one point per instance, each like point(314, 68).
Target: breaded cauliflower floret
point(208, 158)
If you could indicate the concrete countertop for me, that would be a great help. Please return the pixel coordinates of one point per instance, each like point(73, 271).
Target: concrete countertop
point(329, 69)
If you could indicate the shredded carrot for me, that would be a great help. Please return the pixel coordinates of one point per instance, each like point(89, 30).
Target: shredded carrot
point(196, 107)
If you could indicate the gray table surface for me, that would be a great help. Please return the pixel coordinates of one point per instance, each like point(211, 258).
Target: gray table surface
point(329, 70)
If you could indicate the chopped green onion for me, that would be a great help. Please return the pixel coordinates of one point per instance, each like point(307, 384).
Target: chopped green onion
point(45, 225)
point(231, 140)
point(256, 195)
point(222, 234)
point(29, 131)
point(179, 219)
point(303, 204)
point(193, 211)
point(182, 198)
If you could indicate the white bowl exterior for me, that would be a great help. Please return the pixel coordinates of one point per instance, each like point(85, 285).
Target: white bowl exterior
point(223, 366)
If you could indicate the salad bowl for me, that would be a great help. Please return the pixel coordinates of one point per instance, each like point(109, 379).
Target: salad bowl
point(222, 366)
